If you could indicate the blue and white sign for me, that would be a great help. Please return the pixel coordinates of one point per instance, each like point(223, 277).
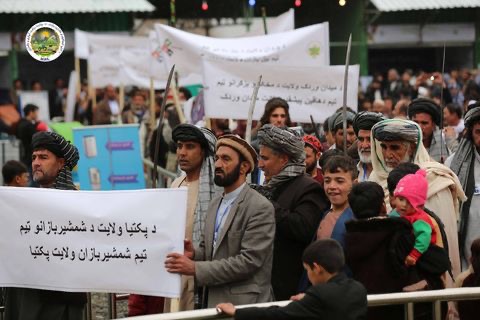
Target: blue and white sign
point(110, 157)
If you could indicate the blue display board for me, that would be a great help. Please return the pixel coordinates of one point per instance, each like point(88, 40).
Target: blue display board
point(110, 157)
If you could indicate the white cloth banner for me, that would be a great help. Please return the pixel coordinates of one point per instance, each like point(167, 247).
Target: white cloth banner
point(316, 91)
point(91, 241)
point(71, 97)
point(282, 23)
point(304, 47)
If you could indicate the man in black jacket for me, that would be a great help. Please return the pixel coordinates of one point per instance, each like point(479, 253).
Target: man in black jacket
point(332, 296)
point(299, 203)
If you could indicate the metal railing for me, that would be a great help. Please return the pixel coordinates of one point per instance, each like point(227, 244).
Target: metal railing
point(374, 300)
point(164, 177)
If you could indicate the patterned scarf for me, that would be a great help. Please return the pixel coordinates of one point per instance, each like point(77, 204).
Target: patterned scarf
point(206, 189)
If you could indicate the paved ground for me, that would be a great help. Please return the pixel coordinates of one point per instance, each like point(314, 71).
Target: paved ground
point(100, 307)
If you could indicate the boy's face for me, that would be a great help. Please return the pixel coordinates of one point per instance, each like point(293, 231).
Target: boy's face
point(337, 186)
point(317, 274)
point(404, 208)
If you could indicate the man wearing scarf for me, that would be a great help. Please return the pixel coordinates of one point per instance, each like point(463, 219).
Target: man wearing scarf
point(466, 165)
point(396, 141)
point(362, 125)
point(427, 114)
point(195, 156)
point(53, 159)
point(299, 203)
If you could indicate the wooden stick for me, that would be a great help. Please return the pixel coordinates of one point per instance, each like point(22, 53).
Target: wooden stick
point(248, 133)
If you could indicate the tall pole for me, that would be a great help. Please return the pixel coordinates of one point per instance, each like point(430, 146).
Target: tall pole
point(442, 160)
point(159, 133)
point(264, 18)
point(345, 92)
point(248, 133)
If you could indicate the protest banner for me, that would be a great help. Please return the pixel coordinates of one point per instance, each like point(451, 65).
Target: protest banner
point(86, 241)
point(110, 157)
point(308, 46)
point(315, 91)
point(254, 26)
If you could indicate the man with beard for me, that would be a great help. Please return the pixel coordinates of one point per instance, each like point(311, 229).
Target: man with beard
point(299, 203)
point(53, 159)
point(313, 151)
point(396, 141)
point(195, 155)
point(234, 259)
point(362, 125)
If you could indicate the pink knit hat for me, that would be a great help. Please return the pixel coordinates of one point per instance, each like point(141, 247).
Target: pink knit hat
point(413, 187)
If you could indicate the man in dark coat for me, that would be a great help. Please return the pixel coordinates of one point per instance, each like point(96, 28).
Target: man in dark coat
point(53, 159)
point(299, 202)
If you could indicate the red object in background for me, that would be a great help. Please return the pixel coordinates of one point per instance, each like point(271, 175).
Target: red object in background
point(204, 6)
point(42, 126)
point(298, 3)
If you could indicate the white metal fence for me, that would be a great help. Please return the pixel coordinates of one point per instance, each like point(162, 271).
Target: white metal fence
point(374, 300)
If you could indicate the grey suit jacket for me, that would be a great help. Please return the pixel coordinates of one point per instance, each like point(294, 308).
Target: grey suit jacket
point(239, 271)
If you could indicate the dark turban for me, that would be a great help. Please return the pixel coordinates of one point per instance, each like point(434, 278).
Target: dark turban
point(282, 140)
point(56, 144)
point(365, 120)
point(422, 105)
point(189, 132)
point(60, 147)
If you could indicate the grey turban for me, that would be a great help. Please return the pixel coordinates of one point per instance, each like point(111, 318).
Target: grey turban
point(338, 119)
point(365, 120)
point(387, 130)
point(472, 116)
point(282, 140)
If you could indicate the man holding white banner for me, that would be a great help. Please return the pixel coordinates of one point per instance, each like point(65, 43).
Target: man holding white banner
point(52, 160)
point(234, 260)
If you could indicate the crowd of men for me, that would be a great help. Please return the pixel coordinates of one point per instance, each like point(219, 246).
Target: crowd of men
point(253, 242)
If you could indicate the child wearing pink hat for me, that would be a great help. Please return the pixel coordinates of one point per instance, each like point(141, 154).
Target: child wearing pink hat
point(411, 195)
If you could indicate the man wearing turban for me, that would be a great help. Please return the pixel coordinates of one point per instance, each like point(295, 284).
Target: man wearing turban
point(466, 165)
point(336, 125)
point(427, 114)
point(362, 125)
point(396, 141)
point(195, 156)
point(53, 158)
point(299, 203)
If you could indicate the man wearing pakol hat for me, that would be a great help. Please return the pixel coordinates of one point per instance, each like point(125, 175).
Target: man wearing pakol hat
point(466, 165)
point(195, 155)
point(299, 203)
point(427, 114)
point(362, 125)
point(53, 159)
point(395, 141)
point(234, 259)
point(313, 151)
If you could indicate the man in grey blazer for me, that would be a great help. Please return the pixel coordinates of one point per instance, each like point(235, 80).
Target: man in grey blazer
point(234, 260)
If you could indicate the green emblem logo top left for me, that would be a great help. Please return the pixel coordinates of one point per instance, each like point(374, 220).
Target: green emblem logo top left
point(45, 41)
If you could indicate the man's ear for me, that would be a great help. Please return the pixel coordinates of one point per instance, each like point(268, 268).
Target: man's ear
point(412, 149)
point(318, 269)
point(61, 162)
point(284, 159)
point(244, 167)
